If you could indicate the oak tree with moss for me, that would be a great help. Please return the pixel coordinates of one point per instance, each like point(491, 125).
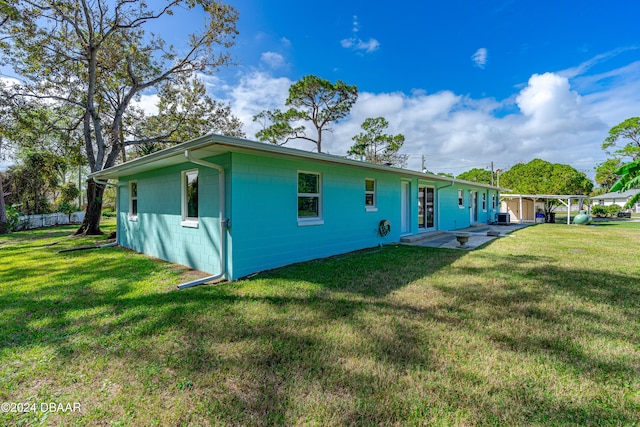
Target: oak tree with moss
point(97, 56)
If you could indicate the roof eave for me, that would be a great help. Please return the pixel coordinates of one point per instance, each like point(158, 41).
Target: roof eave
point(239, 144)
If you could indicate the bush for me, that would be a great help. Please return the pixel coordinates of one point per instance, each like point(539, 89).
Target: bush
point(67, 208)
point(613, 210)
point(12, 220)
point(599, 211)
point(108, 213)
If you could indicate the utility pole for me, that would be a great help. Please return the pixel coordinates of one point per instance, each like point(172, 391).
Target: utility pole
point(424, 169)
point(492, 173)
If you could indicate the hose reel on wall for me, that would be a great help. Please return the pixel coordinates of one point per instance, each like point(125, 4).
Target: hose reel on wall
point(384, 228)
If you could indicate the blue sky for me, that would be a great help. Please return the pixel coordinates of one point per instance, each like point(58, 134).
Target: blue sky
point(467, 82)
point(429, 45)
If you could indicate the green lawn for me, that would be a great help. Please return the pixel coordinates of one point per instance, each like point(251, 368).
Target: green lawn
point(542, 328)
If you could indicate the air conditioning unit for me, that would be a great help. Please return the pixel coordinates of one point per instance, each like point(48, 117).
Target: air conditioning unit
point(503, 218)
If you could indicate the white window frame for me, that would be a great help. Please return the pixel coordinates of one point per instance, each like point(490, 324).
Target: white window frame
point(313, 220)
point(374, 193)
point(133, 216)
point(460, 198)
point(186, 220)
point(493, 202)
point(484, 201)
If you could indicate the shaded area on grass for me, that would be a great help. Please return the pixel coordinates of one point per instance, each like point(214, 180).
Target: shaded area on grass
point(406, 335)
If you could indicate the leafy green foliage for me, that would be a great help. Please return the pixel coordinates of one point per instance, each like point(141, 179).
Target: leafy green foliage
point(311, 99)
point(68, 194)
point(33, 181)
point(629, 180)
point(99, 56)
point(602, 211)
point(599, 211)
point(605, 176)
point(627, 130)
point(482, 176)
point(12, 220)
point(185, 112)
point(376, 146)
point(613, 209)
point(541, 177)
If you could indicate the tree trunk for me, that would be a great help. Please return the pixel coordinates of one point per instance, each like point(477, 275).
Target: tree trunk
point(91, 223)
point(3, 212)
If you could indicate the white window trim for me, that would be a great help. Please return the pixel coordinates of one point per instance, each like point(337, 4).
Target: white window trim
point(483, 200)
point(374, 207)
point(315, 220)
point(493, 202)
point(460, 199)
point(186, 221)
point(132, 217)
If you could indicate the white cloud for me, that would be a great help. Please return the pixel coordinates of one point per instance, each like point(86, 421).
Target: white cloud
point(285, 42)
point(148, 103)
point(356, 43)
point(551, 117)
point(9, 81)
point(587, 65)
point(273, 60)
point(255, 92)
point(480, 57)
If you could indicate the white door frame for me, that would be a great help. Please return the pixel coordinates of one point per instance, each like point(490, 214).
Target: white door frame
point(405, 208)
point(473, 211)
point(427, 188)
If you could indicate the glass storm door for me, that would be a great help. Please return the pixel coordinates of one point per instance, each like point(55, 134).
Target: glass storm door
point(426, 217)
point(474, 207)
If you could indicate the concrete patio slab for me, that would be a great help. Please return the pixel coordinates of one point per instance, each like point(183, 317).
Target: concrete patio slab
point(477, 236)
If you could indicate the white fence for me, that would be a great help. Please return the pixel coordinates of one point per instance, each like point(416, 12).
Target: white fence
point(47, 220)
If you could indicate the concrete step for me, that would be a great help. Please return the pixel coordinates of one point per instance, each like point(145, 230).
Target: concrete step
point(423, 237)
point(477, 227)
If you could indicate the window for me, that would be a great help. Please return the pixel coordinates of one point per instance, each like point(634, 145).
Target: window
point(484, 202)
point(309, 198)
point(190, 198)
point(493, 202)
point(460, 198)
point(370, 194)
point(133, 200)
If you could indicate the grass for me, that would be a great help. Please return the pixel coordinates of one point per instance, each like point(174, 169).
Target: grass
point(537, 329)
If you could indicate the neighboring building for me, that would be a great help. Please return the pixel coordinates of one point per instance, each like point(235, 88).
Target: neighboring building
point(232, 207)
point(616, 198)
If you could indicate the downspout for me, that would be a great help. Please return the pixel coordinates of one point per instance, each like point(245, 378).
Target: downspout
point(97, 181)
point(453, 181)
point(223, 222)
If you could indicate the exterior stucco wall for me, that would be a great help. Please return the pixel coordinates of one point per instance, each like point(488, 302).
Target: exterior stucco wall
point(262, 205)
point(452, 216)
point(158, 231)
point(265, 232)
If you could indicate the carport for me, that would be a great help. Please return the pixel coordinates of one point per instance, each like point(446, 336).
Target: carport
point(525, 204)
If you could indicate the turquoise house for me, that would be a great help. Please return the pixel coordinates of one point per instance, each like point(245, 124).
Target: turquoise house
point(232, 207)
